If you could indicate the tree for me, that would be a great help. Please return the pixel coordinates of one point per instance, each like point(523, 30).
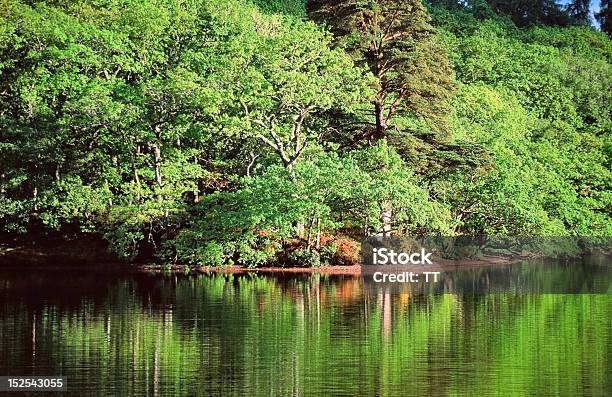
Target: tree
point(395, 40)
point(580, 11)
point(213, 128)
point(253, 223)
point(291, 78)
point(508, 195)
point(413, 78)
point(554, 177)
point(532, 12)
point(604, 17)
point(289, 7)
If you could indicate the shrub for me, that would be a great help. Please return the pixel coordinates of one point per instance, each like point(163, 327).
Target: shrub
point(304, 258)
point(328, 253)
point(348, 252)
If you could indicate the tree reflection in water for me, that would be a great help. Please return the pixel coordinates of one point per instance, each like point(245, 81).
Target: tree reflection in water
point(298, 335)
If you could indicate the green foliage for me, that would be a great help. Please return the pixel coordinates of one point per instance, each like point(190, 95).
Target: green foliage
point(508, 197)
point(289, 7)
point(328, 253)
point(304, 258)
point(524, 12)
point(391, 183)
point(267, 210)
point(397, 43)
point(69, 199)
point(284, 83)
point(221, 132)
point(527, 100)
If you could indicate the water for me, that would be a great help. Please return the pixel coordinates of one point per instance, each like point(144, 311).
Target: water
point(203, 335)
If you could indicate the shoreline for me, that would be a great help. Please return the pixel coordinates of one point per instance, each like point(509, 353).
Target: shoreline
point(90, 256)
point(23, 258)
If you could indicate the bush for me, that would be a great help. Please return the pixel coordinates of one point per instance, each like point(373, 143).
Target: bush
point(348, 252)
point(304, 258)
point(328, 253)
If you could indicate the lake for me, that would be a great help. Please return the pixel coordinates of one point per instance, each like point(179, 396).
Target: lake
point(299, 335)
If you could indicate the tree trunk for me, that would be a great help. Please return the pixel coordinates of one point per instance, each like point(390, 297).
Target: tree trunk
point(300, 229)
point(381, 122)
point(35, 199)
point(318, 246)
point(158, 160)
point(309, 239)
point(289, 168)
point(135, 170)
point(157, 154)
point(133, 154)
point(386, 213)
point(252, 158)
point(196, 191)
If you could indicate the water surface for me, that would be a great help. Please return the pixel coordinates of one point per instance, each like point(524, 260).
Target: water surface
point(302, 335)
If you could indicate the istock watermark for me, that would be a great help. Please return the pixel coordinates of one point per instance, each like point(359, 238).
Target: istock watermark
point(384, 256)
point(399, 261)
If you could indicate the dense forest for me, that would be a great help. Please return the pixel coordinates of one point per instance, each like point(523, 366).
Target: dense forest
point(216, 132)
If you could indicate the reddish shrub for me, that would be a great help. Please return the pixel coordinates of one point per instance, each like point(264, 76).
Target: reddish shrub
point(348, 252)
point(326, 238)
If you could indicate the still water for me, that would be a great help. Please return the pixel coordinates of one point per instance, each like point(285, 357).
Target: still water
point(154, 335)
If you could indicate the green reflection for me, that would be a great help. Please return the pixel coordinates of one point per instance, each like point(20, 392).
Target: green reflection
point(252, 335)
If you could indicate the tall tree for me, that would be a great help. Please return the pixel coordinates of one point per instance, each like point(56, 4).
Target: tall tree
point(604, 18)
point(531, 12)
point(395, 40)
point(580, 11)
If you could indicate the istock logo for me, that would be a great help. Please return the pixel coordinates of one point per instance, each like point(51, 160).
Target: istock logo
point(385, 256)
